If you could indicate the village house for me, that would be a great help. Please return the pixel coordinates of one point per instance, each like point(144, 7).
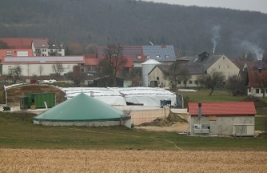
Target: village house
point(17, 47)
point(158, 75)
point(219, 63)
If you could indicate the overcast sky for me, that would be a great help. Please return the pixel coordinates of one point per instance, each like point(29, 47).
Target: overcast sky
point(251, 5)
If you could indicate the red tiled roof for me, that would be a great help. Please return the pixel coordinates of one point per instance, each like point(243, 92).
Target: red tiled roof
point(19, 43)
point(223, 109)
point(254, 76)
point(129, 61)
point(90, 59)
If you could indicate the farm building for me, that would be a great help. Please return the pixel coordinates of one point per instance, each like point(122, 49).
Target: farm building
point(222, 118)
point(83, 110)
point(41, 65)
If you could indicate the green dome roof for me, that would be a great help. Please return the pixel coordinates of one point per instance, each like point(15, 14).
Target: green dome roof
point(81, 108)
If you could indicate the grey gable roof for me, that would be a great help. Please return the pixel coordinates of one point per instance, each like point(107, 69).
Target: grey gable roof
point(194, 69)
point(205, 61)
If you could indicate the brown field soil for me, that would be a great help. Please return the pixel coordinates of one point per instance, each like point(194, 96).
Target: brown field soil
point(27, 160)
point(175, 122)
point(176, 127)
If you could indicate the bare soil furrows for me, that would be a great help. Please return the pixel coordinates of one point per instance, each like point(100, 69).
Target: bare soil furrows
point(27, 160)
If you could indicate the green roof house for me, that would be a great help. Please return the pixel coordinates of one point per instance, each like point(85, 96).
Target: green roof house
point(83, 110)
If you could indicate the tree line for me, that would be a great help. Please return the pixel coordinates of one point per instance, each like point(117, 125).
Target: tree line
point(131, 22)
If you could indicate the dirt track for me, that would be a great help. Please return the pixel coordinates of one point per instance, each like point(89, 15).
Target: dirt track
point(21, 160)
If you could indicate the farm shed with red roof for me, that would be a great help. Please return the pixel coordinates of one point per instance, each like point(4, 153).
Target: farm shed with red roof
point(222, 118)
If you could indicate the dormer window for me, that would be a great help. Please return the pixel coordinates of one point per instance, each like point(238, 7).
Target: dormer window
point(157, 56)
point(167, 56)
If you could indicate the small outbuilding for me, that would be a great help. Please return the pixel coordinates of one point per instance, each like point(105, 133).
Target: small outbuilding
point(222, 118)
point(83, 110)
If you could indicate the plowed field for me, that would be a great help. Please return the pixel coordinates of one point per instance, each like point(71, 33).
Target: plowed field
point(26, 160)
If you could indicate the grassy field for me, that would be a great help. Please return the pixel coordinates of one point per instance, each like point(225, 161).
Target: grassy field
point(18, 131)
point(202, 95)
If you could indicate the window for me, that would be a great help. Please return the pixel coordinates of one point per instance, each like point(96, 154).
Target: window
point(8, 53)
point(167, 56)
point(262, 90)
point(179, 82)
point(196, 82)
point(190, 82)
point(257, 90)
point(184, 81)
point(249, 89)
point(139, 57)
point(22, 53)
point(157, 78)
point(219, 66)
point(157, 56)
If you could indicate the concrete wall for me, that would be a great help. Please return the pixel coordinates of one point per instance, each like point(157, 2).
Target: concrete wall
point(221, 126)
point(126, 123)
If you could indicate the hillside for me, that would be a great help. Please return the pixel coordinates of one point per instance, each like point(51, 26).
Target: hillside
point(130, 22)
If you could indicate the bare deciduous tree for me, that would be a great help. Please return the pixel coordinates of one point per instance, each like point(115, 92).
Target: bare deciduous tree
point(14, 74)
point(40, 69)
point(57, 68)
point(113, 61)
point(261, 79)
point(185, 76)
point(236, 84)
point(212, 80)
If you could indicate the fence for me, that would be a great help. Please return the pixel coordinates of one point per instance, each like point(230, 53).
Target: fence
point(143, 116)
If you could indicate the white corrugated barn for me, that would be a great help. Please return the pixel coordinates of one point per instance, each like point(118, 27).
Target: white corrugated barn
point(41, 65)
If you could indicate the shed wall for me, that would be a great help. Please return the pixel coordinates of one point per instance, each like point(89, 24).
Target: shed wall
point(222, 126)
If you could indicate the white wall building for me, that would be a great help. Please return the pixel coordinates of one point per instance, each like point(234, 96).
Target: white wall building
point(41, 66)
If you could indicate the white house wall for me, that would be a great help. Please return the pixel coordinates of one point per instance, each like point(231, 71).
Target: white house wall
point(223, 126)
point(157, 73)
point(256, 92)
point(163, 82)
point(33, 69)
point(192, 82)
point(224, 65)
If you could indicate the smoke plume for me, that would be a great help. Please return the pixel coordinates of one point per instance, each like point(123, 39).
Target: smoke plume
point(253, 48)
point(215, 36)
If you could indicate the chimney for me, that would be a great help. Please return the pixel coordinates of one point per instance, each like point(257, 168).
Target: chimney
point(260, 65)
point(199, 110)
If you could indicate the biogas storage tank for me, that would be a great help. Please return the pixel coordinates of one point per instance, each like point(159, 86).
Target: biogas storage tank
point(147, 66)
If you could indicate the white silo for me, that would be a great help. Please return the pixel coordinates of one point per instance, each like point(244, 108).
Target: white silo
point(146, 68)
